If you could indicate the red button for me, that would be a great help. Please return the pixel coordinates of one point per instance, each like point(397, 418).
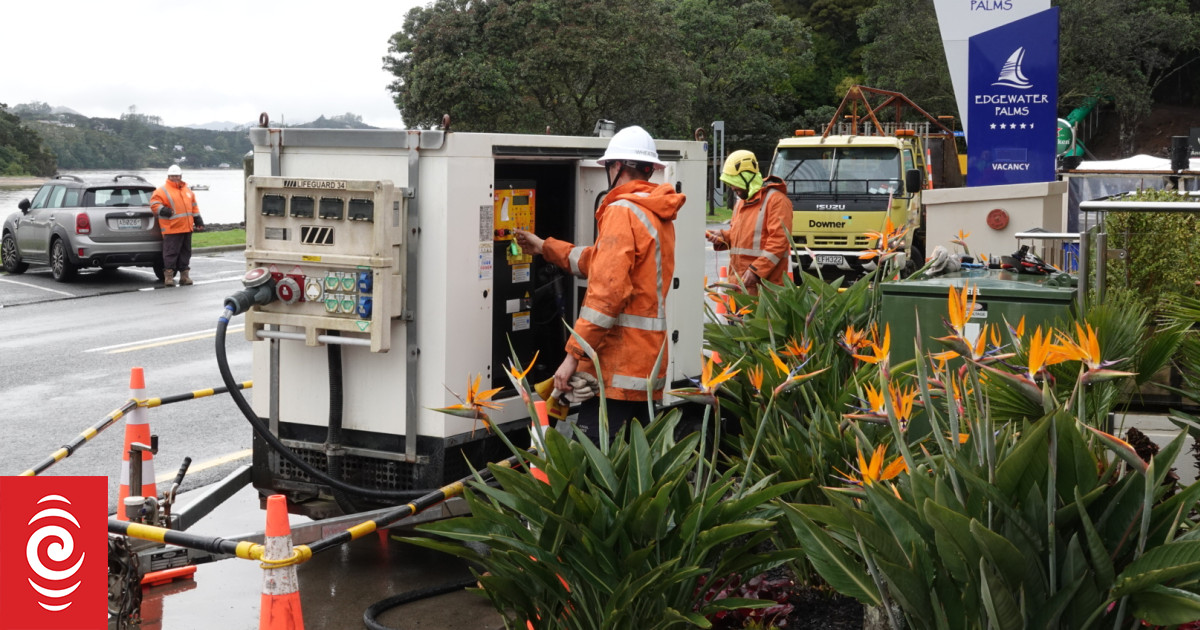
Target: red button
point(997, 219)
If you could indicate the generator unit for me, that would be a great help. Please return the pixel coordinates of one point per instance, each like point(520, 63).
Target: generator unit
point(398, 281)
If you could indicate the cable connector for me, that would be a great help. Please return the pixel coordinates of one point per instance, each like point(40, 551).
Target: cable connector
point(260, 290)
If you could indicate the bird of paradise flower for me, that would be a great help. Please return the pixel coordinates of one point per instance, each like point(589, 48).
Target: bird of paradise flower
point(873, 471)
point(887, 241)
point(474, 404)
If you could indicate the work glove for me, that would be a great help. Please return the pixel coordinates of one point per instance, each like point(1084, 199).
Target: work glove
point(198, 222)
point(583, 387)
point(165, 212)
point(943, 261)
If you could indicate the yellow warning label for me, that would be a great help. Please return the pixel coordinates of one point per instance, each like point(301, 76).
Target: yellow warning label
point(311, 258)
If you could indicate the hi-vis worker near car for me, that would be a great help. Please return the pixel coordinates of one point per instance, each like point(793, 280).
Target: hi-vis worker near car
point(178, 214)
point(759, 237)
point(855, 175)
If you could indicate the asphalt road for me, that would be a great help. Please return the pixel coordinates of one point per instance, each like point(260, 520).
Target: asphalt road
point(66, 350)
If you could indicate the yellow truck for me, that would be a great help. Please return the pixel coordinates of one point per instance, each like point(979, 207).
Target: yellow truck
point(851, 178)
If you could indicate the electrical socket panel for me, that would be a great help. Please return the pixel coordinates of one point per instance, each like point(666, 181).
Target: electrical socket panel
point(335, 249)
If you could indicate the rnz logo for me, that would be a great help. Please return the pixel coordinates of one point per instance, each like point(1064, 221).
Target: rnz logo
point(53, 552)
point(60, 551)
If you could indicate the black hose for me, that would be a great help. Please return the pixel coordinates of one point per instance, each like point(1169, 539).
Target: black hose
point(264, 432)
point(378, 607)
point(334, 453)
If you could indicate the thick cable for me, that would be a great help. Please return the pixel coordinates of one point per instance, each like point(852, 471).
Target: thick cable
point(264, 432)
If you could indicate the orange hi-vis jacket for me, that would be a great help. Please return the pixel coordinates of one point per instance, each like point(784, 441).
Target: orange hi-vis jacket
point(760, 234)
point(629, 272)
point(181, 200)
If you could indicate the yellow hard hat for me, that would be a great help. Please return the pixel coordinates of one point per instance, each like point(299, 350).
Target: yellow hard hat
point(739, 162)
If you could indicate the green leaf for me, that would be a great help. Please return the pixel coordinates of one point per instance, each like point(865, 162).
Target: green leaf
point(1003, 611)
point(1163, 606)
point(1006, 557)
point(842, 571)
point(1159, 565)
point(1026, 464)
point(1101, 562)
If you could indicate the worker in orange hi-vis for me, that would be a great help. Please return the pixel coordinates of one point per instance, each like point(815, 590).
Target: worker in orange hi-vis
point(629, 271)
point(759, 238)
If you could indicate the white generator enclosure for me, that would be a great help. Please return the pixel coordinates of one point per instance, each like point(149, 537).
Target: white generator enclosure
point(398, 281)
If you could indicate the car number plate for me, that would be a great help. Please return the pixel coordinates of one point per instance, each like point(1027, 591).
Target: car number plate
point(830, 259)
point(128, 224)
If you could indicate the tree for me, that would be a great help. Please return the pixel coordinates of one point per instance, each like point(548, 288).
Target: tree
point(747, 63)
point(525, 65)
point(21, 149)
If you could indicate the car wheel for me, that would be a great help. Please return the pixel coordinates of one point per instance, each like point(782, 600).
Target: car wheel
point(60, 262)
point(9, 256)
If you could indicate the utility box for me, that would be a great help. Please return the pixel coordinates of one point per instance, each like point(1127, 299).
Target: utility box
point(396, 249)
point(999, 296)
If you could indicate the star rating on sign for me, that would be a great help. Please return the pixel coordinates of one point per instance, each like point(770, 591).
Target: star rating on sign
point(1012, 126)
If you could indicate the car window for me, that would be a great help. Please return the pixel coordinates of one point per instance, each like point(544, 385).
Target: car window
point(71, 200)
point(56, 197)
point(117, 197)
point(39, 200)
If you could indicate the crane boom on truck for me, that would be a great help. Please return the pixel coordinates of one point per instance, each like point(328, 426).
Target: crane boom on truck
point(858, 173)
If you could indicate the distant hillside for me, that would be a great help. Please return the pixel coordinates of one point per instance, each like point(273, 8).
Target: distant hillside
point(223, 125)
point(136, 140)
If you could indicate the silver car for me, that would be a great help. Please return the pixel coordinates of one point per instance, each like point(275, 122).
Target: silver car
point(72, 223)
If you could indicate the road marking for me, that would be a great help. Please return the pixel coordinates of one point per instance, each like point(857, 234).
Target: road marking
point(34, 286)
point(162, 341)
point(212, 463)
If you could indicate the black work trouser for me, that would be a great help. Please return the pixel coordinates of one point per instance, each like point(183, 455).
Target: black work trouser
point(619, 413)
point(177, 251)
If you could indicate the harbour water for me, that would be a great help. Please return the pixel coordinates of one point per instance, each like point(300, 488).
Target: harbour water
point(223, 202)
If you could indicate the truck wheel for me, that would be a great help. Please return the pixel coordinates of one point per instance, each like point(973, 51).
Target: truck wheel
point(9, 255)
point(915, 260)
point(61, 267)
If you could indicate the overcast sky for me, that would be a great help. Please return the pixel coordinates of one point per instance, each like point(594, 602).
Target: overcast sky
point(192, 62)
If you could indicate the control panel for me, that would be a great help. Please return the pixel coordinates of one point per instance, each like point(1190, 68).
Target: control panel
point(334, 249)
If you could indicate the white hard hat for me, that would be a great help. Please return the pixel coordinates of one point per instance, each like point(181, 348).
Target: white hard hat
point(634, 144)
point(174, 170)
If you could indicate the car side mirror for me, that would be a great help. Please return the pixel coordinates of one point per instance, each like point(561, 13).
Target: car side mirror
point(23, 206)
point(912, 180)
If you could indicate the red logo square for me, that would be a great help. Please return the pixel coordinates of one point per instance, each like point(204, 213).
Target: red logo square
point(53, 553)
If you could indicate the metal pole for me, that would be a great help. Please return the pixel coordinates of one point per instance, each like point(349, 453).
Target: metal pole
point(1085, 253)
point(1101, 263)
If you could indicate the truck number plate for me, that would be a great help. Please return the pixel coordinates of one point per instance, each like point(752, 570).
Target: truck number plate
point(830, 259)
point(128, 224)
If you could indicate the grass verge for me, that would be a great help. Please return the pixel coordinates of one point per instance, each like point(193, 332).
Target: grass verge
point(215, 239)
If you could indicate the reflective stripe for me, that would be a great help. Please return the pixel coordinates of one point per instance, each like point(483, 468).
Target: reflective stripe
point(633, 382)
point(658, 270)
point(573, 259)
point(625, 320)
point(655, 324)
point(596, 317)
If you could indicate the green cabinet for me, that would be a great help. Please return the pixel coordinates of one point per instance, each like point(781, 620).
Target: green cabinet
point(999, 295)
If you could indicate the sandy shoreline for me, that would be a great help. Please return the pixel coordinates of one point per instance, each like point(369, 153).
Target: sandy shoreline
point(21, 182)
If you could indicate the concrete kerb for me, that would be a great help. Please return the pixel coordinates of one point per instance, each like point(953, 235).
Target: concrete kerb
point(216, 249)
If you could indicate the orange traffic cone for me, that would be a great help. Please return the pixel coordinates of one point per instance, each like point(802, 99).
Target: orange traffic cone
point(539, 438)
point(280, 607)
point(137, 429)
